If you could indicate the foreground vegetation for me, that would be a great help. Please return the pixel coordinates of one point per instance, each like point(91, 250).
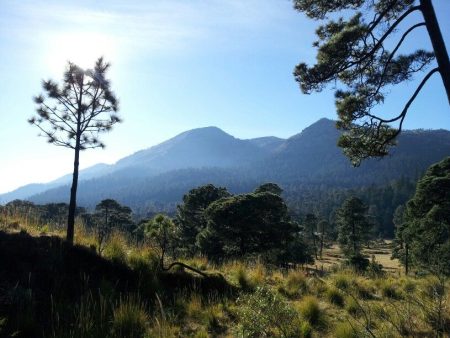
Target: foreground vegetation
point(54, 290)
point(227, 266)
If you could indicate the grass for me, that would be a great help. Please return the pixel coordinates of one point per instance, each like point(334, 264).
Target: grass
point(63, 291)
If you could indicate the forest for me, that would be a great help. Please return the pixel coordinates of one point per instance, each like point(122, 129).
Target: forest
point(341, 230)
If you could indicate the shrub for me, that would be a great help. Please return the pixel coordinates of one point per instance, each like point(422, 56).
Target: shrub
point(334, 296)
point(310, 310)
point(130, 319)
point(277, 318)
point(358, 262)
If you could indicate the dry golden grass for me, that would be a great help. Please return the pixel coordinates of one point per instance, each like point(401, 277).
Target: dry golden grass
point(333, 256)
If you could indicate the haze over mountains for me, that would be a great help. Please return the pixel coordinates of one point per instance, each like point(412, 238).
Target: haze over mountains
point(163, 173)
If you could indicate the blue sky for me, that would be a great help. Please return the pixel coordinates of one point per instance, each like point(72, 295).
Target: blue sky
point(176, 65)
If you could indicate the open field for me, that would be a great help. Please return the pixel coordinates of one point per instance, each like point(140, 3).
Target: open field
point(332, 256)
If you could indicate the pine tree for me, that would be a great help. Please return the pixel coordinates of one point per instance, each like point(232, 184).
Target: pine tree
point(353, 227)
point(354, 52)
point(73, 114)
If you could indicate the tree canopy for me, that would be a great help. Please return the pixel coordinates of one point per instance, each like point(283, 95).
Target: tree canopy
point(353, 54)
point(190, 218)
point(428, 219)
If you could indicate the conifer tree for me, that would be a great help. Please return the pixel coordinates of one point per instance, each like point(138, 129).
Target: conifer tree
point(354, 51)
point(353, 226)
point(73, 114)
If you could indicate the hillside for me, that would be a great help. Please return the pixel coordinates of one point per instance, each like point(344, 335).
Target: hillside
point(157, 177)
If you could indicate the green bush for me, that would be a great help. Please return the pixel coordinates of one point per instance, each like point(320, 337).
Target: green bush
point(276, 317)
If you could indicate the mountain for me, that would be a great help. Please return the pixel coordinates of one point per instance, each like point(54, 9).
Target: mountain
point(37, 188)
point(268, 143)
point(157, 177)
point(197, 148)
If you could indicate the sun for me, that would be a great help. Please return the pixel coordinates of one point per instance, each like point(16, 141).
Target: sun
point(81, 48)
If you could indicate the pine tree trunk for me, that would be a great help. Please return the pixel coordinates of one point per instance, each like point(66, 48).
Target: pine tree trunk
point(438, 43)
point(73, 195)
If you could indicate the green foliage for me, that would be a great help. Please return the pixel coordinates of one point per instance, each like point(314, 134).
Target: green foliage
point(246, 225)
point(354, 52)
point(163, 232)
point(427, 217)
point(190, 218)
point(265, 314)
point(353, 226)
point(269, 187)
point(110, 215)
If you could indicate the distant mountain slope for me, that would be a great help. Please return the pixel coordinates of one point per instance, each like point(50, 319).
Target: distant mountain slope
point(37, 188)
point(160, 175)
point(197, 148)
point(269, 143)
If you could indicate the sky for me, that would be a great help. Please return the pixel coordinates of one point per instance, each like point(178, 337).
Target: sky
point(176, 65)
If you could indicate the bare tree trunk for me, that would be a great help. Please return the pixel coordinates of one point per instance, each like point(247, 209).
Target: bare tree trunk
point(73, 196)
point(438, 43)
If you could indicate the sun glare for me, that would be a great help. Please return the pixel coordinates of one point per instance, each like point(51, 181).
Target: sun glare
point(81, 48)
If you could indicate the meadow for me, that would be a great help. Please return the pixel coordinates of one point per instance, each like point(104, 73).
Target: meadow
point(57, 291)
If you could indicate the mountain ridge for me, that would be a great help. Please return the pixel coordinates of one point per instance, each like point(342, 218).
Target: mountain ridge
point(211, 155)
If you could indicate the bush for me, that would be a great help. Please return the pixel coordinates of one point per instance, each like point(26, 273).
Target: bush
point(335, 297)
point(310, 310)
point(130, 319)
point(358, 262)
point(277, 317)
